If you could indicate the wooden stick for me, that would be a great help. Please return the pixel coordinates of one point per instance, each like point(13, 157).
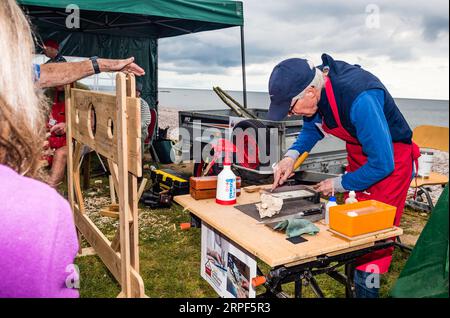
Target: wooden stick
point(76, 177)
point(112, 192)
point(234, 108)
point(70, 163)
point(133, 195)
point(124, 208)
point(250, 115)
point(134, 226)
point(142, 188)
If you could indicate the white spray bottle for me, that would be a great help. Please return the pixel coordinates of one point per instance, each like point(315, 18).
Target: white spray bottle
point(226, 180)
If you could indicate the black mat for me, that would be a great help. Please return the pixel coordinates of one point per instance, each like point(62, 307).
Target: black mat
point(297, 240)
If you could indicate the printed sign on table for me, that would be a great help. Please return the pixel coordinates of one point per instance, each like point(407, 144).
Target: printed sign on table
point(226, 267)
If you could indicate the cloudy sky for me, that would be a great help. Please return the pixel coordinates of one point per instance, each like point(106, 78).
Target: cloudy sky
point(405, 43)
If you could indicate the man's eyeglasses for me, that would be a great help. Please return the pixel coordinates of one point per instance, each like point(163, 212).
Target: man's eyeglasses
point(291, 108)
point(296, 99)
point(294, 102)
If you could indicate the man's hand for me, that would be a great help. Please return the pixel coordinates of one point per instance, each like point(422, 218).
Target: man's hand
point(56, 74)
point(325, 186)
point(126, 65)
point(282, 171)
point(59, 129)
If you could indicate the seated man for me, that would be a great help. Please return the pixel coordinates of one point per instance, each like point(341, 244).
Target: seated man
point(56, 125)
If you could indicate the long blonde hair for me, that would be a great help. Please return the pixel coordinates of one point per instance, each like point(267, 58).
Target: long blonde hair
point(21, 109)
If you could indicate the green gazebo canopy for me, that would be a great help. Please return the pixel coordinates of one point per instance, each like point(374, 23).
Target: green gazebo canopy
point(121, 28)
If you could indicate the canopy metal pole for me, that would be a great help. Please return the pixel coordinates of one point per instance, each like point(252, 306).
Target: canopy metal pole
point(244, 81)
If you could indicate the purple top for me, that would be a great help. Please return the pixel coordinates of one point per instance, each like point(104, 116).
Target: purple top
point(38, 241)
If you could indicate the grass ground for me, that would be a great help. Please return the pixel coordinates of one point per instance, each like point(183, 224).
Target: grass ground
point(170, 258)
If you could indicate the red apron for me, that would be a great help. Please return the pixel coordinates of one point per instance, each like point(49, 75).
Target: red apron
point(58, 114)
point(391, 190)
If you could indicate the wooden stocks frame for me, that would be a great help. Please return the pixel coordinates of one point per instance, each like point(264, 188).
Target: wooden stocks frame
point(110, 125)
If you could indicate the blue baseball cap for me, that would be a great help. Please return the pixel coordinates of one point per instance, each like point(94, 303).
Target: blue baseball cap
point(288, 79)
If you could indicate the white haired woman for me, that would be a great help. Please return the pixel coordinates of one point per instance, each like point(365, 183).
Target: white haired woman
point(38, 241)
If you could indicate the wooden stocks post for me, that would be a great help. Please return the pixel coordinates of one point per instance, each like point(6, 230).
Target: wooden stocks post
point(110, 125)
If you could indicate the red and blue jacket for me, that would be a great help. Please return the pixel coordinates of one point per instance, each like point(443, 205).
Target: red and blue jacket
point(368, 112)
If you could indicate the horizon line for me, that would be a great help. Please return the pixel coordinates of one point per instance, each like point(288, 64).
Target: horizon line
point(252, 91)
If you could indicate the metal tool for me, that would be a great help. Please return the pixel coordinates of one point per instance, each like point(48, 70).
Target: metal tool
point(298, 201)
point(297, 163)
point(305, 211)
point(288, 192)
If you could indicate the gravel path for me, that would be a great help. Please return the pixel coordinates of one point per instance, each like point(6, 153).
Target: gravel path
point(168, 117)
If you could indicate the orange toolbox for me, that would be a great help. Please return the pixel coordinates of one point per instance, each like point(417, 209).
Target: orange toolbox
point(361, 218)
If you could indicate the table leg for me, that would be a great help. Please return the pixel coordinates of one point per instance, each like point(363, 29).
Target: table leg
point(350, 274)
point(298, 288)
point(315, 287)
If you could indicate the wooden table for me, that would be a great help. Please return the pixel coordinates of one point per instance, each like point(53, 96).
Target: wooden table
point(323, 253)
point(266, 244)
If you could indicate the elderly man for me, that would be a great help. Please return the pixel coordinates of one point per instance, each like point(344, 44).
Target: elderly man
point(352, 104)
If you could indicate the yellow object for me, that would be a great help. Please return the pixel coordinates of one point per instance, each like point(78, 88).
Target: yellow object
point(167, 178)
point(300, 160)
point(361, 217)
point(434, 137)
point(167, 175)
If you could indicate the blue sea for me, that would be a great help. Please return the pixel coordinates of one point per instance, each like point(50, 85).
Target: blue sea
point(416, 111)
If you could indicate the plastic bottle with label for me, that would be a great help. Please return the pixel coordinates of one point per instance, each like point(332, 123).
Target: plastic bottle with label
point(226, 180)
point(226, 186)
point(331, 202)
point(351, 198)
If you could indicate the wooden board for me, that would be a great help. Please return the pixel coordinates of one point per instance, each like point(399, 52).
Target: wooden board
point(358, 237)
point(104, 140)
point(433, 179)
point(207, 193)
point(268, 245)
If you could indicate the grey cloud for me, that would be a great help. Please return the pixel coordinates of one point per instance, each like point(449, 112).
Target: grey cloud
point(433, 26)
point(275, 29)
point(190, 53)
point(191, 67)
